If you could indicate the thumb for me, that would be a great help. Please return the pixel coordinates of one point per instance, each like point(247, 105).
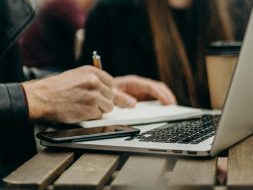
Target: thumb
point(123, 99)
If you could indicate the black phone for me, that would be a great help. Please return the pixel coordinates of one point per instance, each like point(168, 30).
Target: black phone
point(87, 134)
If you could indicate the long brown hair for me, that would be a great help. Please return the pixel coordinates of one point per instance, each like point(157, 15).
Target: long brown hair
point(173, 62)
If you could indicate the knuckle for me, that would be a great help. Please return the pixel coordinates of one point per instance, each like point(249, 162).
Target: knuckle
point(93, 98)
point(110, 107)
point(162, 84)
point(133, 77)
point(94, 82)
point(107, 109)
point(151, 88)
point(110, 94)
point(92, 101)
point(98, 114)
point(89, 68)
point(165, 86)
point(94, 113)
point(111, 81)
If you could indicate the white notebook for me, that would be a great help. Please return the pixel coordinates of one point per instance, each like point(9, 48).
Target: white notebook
point(144, 113)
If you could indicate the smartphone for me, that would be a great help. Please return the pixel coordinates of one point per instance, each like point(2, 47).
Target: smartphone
point(87, 134)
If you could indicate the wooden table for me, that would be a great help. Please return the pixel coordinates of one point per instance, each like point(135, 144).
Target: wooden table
point(51, 169)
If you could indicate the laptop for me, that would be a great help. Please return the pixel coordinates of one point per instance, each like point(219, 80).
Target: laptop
point(202, 137)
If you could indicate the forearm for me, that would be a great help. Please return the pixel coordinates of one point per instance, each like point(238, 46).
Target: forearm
point(13, 106)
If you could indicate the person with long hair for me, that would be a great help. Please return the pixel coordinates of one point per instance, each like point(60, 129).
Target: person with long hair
point(48, 47)
point(164, 40)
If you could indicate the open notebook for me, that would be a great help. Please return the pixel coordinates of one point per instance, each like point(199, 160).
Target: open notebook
point(144, 113)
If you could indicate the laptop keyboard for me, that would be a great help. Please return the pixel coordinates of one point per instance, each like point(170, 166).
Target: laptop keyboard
point(184, 132)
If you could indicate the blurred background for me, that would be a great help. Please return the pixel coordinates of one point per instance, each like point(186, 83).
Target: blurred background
point(162, 40)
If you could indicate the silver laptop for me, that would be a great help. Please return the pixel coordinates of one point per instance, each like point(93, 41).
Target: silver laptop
point(197, 137)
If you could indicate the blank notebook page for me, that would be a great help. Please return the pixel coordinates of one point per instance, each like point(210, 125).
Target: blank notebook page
point(143, 113)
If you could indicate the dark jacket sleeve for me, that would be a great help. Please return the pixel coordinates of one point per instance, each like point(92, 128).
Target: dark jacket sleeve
point(13, 106)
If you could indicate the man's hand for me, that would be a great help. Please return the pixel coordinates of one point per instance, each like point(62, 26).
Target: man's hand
point(130, 89)
point(81, 94)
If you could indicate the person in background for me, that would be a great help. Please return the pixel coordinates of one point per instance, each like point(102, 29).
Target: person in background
point(164, 40)
point(49, 43)
point(79, 94)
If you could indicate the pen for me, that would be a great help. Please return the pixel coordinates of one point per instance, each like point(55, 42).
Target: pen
point(96, 60)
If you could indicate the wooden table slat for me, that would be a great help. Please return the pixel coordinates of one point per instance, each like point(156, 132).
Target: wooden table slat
point(240, 165)
point(90, 171)
point(100, 172)
point(141, 172)
point(193, 174)
point(220, 188)
point(39, 171)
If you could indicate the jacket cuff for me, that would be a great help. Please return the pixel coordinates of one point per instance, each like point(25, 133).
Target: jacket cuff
point(13, 105)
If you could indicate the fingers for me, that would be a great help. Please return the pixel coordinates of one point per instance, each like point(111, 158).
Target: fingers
point(101, 102)
point(163, 94)
point(105, 105)
point(100, 85)
point(146, 89)
point(91, 113)
point(104, 77)
point(93, 106)
point(171, 98)
point(94, 83)
point(105, 91)
point(103, 84)
point(157, 93)
point(122, 99)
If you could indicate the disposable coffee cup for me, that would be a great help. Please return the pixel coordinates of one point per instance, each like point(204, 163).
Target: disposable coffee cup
point(221, 59)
